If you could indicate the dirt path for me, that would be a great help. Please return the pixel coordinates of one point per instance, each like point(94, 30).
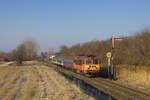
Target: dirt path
point(6, 64)
point(37, 82)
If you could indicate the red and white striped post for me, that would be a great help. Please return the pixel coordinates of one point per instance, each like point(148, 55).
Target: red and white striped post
point(113, 69)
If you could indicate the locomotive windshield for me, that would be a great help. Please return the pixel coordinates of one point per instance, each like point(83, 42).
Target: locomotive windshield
point(88, 62)
point(95, 61)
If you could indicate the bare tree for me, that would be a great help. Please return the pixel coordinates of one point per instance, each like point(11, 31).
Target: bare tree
point(26, 51)
point(30, 51)
point(64, 50)
point(20, 54)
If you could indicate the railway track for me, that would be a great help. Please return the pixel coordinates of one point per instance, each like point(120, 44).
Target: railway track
point(116, 90)
point(121, 92)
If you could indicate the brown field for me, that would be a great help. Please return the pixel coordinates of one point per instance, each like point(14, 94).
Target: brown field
point(34, 81)
point(135, 76)
point(1, 62)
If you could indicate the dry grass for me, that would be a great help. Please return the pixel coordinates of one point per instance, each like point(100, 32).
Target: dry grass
point(9, 81)
point(137, 76)
point(13, 78)
point(30, 86)
point(36, 82)
point(4, 71)
point(2, 62)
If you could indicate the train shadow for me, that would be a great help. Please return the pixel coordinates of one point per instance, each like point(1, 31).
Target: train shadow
point(103, 72)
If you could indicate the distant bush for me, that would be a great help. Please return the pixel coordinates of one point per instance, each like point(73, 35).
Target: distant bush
point(6, 56)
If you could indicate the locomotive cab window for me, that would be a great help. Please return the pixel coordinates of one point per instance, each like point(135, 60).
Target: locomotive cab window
point(95, 61)
point(88, 62)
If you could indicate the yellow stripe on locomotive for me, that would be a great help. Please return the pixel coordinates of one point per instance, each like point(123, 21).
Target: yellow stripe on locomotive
point(92, 67)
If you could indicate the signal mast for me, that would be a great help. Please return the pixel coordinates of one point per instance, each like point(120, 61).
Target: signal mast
point(113, 68)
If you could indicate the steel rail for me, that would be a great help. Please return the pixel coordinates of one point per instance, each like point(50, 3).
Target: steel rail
point(126, 93)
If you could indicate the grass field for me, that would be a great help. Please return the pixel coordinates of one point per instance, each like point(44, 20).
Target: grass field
point(34, 81)
point(2, 62)
point(135, 76)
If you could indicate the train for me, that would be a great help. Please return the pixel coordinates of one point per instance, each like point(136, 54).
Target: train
point(87, 65)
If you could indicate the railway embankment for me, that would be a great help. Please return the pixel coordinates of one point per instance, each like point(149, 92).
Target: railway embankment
point(85, 86)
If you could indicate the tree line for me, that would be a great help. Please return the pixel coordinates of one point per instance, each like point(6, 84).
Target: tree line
point(132, 50)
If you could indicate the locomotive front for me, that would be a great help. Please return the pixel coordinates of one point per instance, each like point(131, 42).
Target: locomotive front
point(91, 65)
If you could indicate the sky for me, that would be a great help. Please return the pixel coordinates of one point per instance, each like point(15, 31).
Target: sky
point(53, 23)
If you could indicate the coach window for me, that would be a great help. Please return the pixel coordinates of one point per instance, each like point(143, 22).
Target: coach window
point(75, 62)
point(80, 62)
